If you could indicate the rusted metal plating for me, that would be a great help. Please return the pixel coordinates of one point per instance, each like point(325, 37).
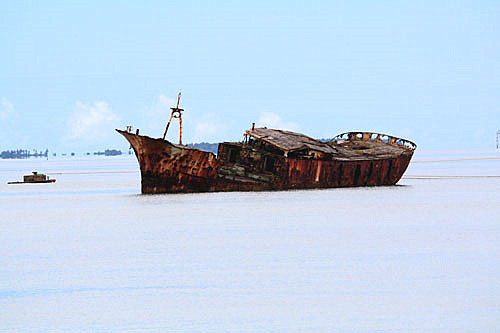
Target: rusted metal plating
point(272, 160)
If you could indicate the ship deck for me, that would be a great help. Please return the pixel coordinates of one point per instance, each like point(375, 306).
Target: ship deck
point(366, 150)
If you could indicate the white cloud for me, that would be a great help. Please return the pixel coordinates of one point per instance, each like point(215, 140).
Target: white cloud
point(92, 122)
point(164, 103)
point(154, 117)
point(161, 108)
point(195, 127)
point(7, 109)
point(208, 129)
point(10, 134)
point(272, 120)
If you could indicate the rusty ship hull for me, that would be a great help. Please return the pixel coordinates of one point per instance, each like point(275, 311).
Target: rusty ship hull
point(271, 160)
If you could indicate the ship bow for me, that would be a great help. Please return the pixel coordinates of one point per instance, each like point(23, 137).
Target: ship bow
point(167, 167)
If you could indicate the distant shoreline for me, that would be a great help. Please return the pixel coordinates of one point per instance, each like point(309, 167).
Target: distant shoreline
point(29, 154)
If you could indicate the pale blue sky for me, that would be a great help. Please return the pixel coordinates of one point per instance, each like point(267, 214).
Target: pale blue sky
point(71, 71)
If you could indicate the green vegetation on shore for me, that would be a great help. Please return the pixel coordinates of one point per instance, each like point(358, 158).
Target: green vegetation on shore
point(23, 153)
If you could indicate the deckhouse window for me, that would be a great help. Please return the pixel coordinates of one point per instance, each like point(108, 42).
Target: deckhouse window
point(233, 154)
point(269, 164)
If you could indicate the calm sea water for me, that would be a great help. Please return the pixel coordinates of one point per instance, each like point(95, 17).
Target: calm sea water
point(89, 253)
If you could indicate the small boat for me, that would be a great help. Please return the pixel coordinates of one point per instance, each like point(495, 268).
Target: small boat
point(269, 159)
point(35, 178)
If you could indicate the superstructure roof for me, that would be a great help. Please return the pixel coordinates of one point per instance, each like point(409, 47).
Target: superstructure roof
point(288, 141)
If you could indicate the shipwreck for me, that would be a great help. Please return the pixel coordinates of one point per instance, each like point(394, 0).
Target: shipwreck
point(269, 159)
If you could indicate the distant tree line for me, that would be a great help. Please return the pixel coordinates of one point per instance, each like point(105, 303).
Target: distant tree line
point(23, 153)
point(109, 152)
point(205, 146)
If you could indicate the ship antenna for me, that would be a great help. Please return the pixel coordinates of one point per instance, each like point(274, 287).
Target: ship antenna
point(176, 113)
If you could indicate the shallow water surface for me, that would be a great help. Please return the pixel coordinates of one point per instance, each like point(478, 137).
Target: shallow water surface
point(90, 253)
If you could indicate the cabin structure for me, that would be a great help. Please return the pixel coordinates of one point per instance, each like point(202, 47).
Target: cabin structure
point(265, 150)
point(293, 160)
point(35, 177)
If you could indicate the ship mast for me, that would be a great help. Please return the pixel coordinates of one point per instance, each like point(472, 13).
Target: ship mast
point(176, 113)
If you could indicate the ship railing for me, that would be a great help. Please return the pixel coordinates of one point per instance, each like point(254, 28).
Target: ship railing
point(375, 137)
